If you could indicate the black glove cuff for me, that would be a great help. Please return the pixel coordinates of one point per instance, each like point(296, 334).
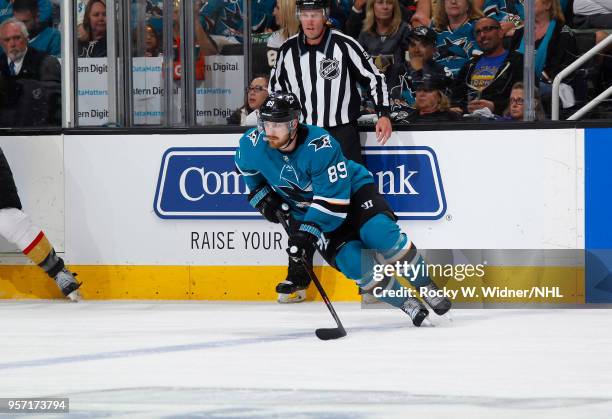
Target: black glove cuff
point(256, 196)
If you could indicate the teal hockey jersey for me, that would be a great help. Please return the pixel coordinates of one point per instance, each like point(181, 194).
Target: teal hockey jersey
point(315, 178)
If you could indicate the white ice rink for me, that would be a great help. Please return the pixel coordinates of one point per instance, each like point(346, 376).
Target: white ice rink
point(262, 360)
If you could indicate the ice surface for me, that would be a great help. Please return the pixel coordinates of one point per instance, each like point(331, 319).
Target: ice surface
point(262, 360)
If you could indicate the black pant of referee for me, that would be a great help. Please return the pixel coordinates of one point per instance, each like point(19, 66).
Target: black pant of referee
point(348, 137)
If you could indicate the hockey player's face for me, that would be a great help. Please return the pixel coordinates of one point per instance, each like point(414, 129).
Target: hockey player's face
point(313, 23)
point(278, 134)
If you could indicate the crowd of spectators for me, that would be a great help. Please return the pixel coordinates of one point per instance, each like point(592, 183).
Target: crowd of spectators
point(472, 48)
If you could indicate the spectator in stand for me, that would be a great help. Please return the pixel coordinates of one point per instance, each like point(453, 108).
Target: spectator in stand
point(592, 14)
point(383, 32)
point(420, 43)
point(44, 7)
point(285, 16)
point(94, 27)
point(514, 110)
point(31, 80)
point(42, 37)
point(152, 42)
point(509, 13)
point(453, 21)
point(555, 45)
point(356, 15)
point(485, 81)
point(256, 94)
point(431, 104)
point(224, 17)
point(205, 43)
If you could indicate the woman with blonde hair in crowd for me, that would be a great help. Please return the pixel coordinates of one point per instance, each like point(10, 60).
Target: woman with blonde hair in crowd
point(285, 15)
point(383, 31)
point(555, 46)
point(453, 21)
point(93, 43)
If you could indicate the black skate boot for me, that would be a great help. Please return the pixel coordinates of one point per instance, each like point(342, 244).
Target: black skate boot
point(67, 283)
point(440, 305)
point(415, 309)
point(293, 288)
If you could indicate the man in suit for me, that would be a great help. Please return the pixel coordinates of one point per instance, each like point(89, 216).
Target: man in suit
point(31, 80)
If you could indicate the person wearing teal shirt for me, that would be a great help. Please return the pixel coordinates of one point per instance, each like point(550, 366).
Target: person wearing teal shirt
point(42, 38)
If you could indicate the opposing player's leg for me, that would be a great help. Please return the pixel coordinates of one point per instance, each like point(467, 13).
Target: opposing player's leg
point(17, 227)
point(383, 234)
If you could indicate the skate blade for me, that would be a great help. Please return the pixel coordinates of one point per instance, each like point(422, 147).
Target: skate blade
point(369, 299)
point(75, 296)
point(444, 320)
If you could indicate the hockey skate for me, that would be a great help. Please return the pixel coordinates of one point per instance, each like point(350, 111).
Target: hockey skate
point(415, 309)
point(288, 292)
point(440, 305)
point(67, 283)
point(293, 288)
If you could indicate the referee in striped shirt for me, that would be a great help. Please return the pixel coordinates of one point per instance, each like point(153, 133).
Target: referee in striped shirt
point(323, 67)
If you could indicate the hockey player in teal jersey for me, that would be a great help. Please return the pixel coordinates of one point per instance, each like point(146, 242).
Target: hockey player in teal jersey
point(334, 204)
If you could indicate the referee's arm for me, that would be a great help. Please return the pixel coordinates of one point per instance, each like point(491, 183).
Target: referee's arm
point(369, 74)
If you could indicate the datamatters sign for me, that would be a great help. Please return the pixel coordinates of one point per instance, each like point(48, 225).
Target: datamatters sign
point(202, 183)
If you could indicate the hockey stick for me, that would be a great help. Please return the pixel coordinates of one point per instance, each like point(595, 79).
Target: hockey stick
point(325, 333)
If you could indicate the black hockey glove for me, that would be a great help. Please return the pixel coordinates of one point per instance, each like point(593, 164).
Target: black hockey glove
point(303, 241)
point(268, 202)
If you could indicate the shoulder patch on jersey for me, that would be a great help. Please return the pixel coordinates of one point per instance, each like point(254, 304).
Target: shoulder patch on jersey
point(320, 142)
point(254, 137)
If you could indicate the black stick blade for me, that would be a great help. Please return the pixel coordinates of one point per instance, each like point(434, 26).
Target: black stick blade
point(331, 333)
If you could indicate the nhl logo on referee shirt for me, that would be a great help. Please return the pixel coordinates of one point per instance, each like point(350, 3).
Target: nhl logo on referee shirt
point(329, 68)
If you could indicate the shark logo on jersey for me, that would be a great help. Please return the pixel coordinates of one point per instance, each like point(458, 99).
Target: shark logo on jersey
point(302, 195)
point(329, 68)
point(454, 48)
point(321, 142)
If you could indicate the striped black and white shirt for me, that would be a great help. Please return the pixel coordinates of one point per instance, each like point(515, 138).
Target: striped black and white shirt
point(325, 78)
